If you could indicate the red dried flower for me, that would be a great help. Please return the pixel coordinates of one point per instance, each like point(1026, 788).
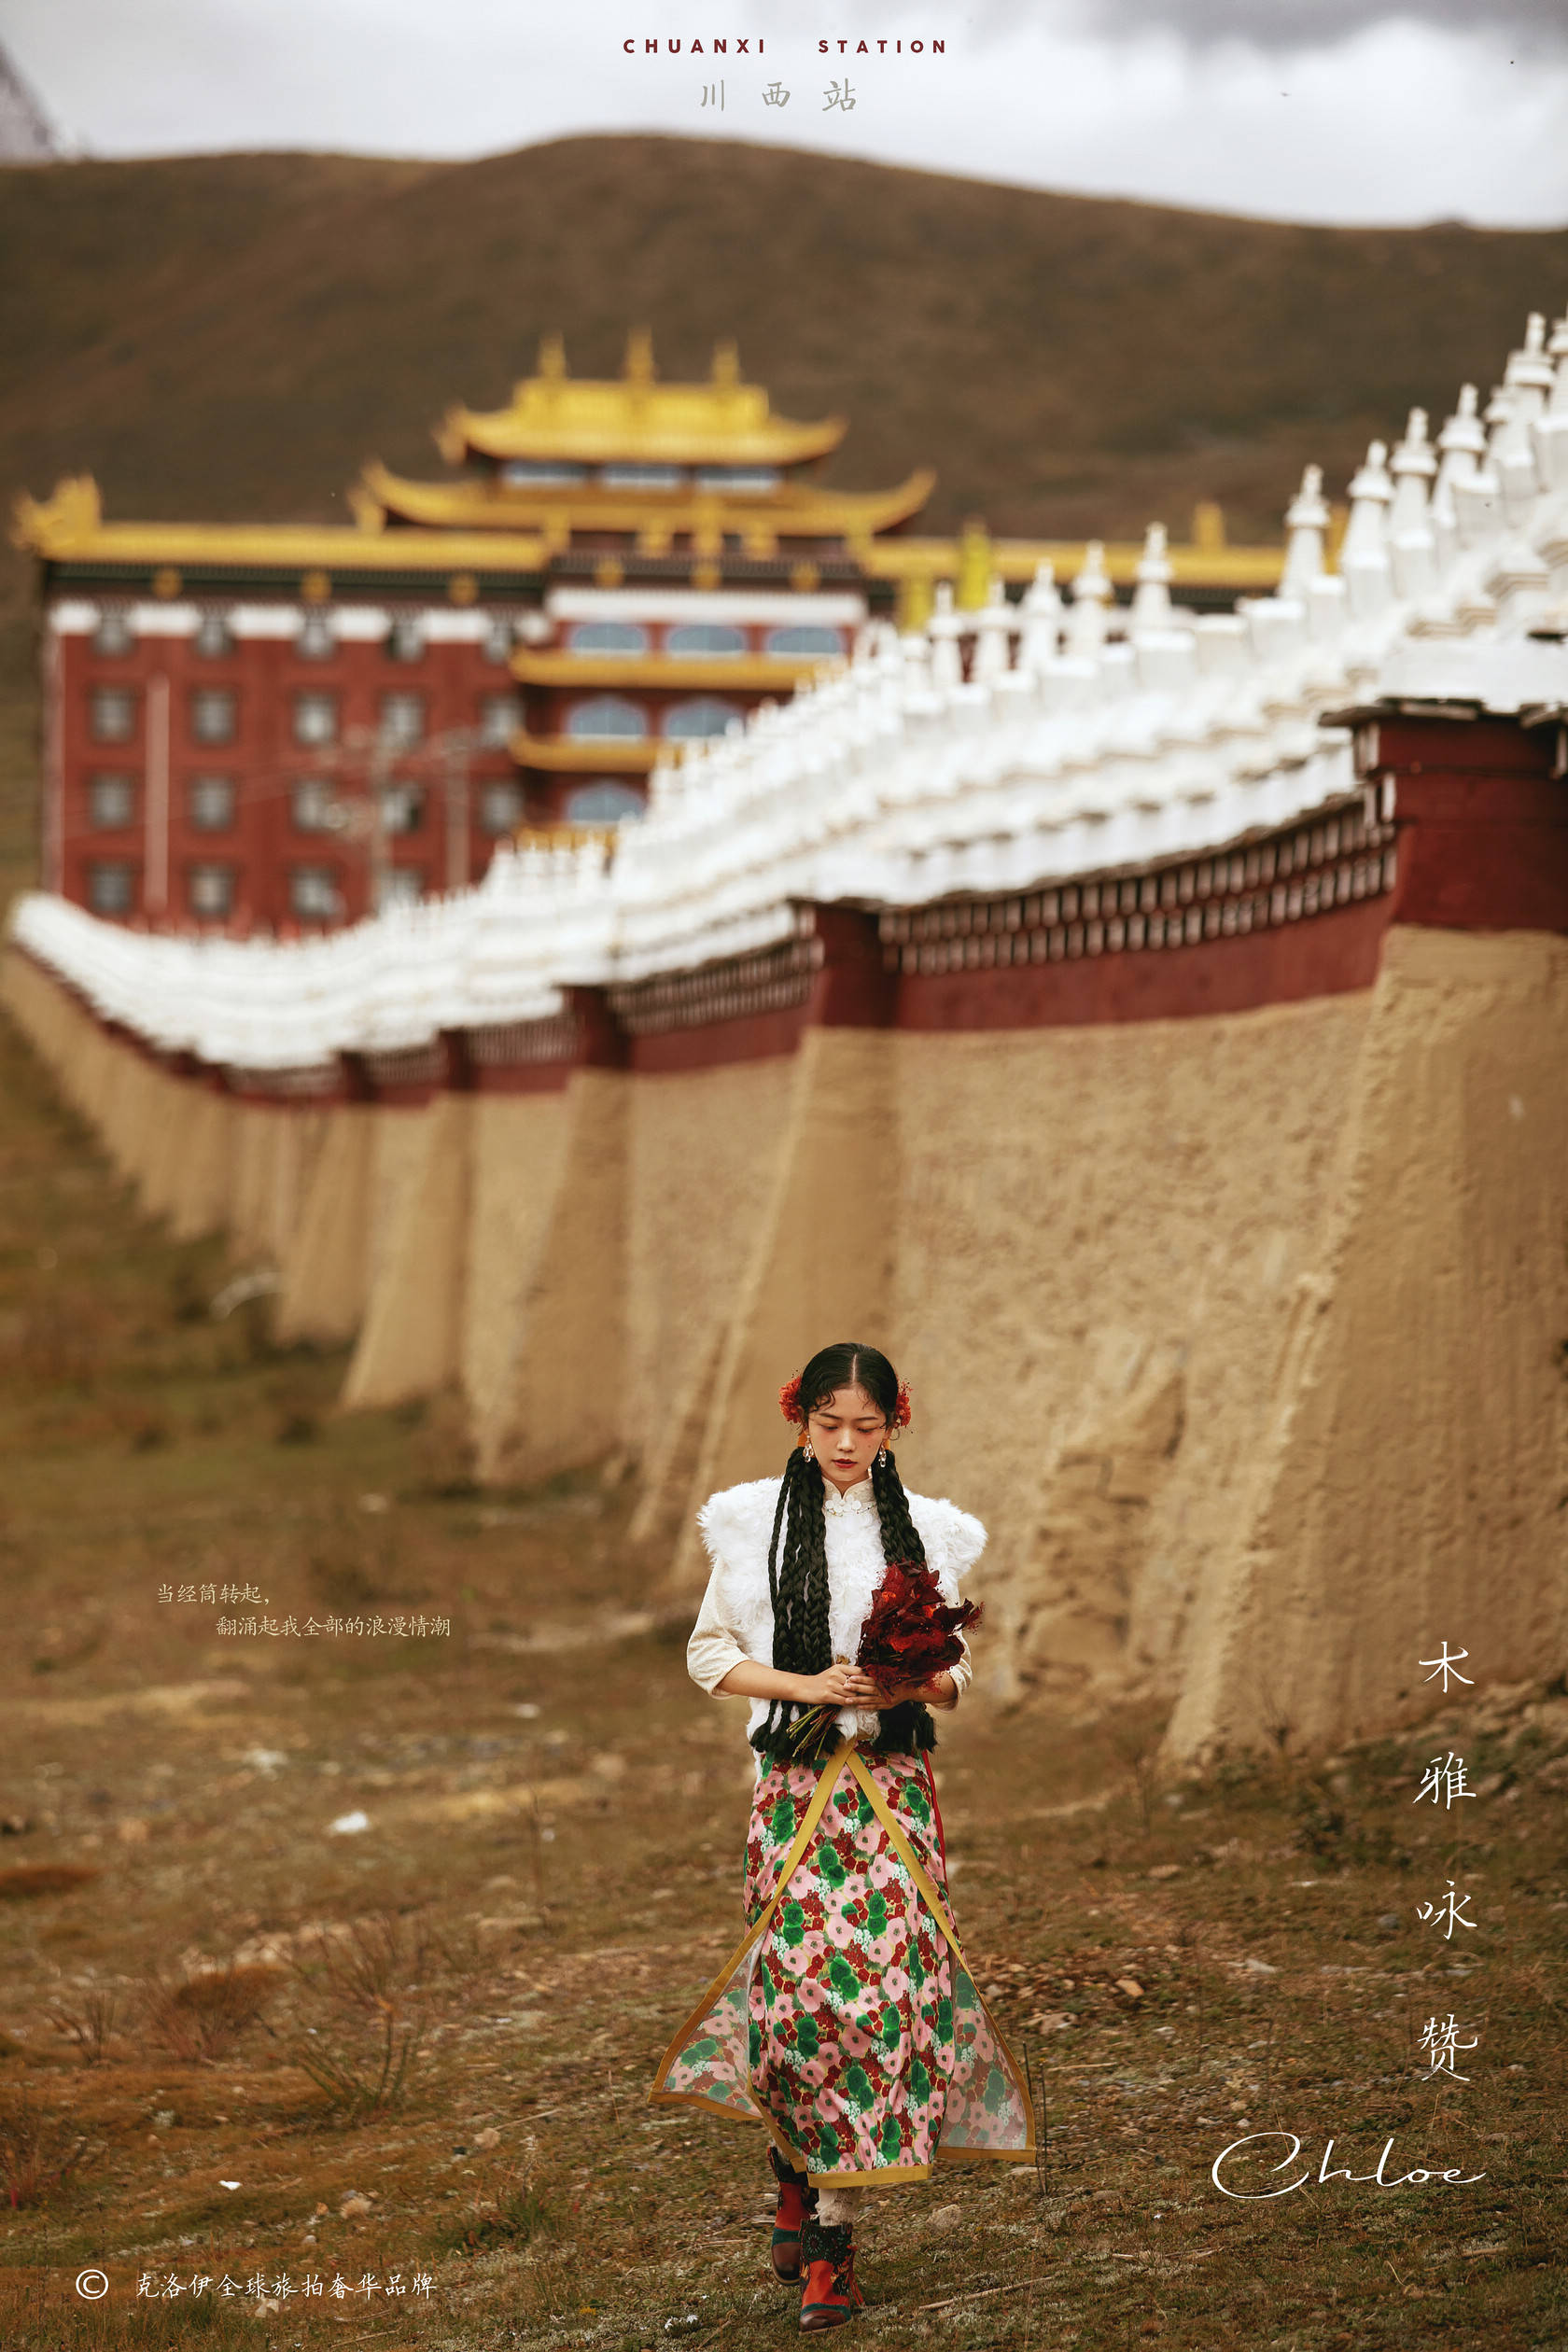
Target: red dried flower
point(789, 1399)
point(901, 1410)
point(910, 1632)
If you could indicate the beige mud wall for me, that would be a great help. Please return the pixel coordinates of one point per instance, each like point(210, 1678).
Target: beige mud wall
point(1408, 1484)
point(1099, 1230)
point(706, 1150)
point(517, 1159)
point(326, 1269)
point(275, 1150)
point(411, 1340)
point(818, 1265)
point(562, 1399)
point(170, 1138)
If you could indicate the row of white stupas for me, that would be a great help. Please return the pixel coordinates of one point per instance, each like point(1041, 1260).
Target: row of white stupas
point(896, 781)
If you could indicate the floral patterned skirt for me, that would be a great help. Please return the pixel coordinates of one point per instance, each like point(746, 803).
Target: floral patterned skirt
point(846, 2022)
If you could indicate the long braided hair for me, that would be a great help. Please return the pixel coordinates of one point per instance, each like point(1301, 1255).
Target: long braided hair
point(798, 1563)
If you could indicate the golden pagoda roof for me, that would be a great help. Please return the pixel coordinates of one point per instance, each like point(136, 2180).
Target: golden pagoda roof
point(68, 527)
point(585, 754)
point(1225, 566)
point(595, 421)
point(763, 673)
point(794, 509)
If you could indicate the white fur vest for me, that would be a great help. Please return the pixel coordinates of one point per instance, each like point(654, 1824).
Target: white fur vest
point(737, 1524)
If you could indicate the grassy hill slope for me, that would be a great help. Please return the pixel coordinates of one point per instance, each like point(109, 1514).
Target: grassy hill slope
point(232, 335)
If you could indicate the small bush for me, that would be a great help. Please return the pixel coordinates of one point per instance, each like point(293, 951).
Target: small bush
point(37, 2151)
point(43, 1878)
point(198, 2019)
point(89, 2021)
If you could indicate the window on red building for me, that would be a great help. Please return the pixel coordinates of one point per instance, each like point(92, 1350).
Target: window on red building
point(402, 807)
point(498, 639)
point(212, 891)
point(315, 718)
point(534, 473)
point(798, 643)
point(606, 802)
point(402, 885)
point(608, 637)
point(500, 807)
point(213, 714)
point(111, 802)
point(312, 894)
point(704, 715)
point(604, 717)
point(317, 640)
point(114, 633)
point(703, 639)
point(212, 803)
point(312, 800)
point(635, 477)
point(405, 638)
point(402, 718)
point(111, 712)
point(737, 478)
point(111, 887)
point(497, 715)
point(214, 636)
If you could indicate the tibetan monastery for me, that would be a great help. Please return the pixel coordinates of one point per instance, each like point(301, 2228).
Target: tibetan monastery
point(286, 726)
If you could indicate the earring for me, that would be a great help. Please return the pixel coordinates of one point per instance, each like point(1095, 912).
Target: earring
point(882, 1458)
point(807, 1450)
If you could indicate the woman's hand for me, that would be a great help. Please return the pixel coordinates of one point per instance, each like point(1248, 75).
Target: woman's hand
point(837, 1687)
point(938, 1691)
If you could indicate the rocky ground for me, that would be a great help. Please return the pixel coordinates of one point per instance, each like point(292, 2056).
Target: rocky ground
point(334, 1966)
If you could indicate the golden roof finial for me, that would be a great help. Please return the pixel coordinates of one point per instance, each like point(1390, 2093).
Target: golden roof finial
point(639, 356)
point(74, 510)
point(552, 358)
point(726, 363)
point(974, 585)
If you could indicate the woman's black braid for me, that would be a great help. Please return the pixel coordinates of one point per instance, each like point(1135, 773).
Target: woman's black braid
point(909, 1724)
point(798, 1585)
point(900, 1537)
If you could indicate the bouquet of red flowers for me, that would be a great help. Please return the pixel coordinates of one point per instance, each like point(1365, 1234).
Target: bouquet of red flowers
point(910, 1633)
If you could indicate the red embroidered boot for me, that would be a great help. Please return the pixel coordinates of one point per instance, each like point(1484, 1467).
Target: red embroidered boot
point(797, 2203)
point(829, 2295)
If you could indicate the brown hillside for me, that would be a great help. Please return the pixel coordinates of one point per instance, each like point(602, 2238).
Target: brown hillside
point(232, 335)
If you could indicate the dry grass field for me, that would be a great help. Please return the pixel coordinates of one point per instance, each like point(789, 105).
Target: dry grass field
point(406, 2061)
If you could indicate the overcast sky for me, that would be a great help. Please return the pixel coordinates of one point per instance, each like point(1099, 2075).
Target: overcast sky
point(1328, 110)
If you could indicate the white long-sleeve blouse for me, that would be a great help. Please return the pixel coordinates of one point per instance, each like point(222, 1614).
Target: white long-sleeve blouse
point(735, 1620)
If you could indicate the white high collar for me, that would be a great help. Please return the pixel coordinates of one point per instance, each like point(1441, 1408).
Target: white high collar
point(857, 1498)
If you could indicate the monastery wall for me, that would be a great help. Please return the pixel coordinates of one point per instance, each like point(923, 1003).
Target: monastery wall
point(1101, 1231)
point(1410, 1480)
point(1155, 1038)
point(1242, 1332)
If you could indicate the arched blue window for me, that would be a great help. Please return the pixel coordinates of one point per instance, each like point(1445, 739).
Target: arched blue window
point(608, 637)
point(606, 802)
point(705, 638)
point(801, 640)
point(704, 715)
point(605, 716)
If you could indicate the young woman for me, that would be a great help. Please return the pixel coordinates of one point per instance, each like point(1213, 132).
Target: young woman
point(847, 2020)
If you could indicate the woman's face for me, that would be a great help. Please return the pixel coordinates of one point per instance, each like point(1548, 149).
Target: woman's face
point(845, 1432)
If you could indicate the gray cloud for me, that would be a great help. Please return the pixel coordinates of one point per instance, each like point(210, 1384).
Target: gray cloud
point(1527, 26)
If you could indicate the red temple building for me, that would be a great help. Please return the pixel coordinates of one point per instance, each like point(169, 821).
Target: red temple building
point(288, 725)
